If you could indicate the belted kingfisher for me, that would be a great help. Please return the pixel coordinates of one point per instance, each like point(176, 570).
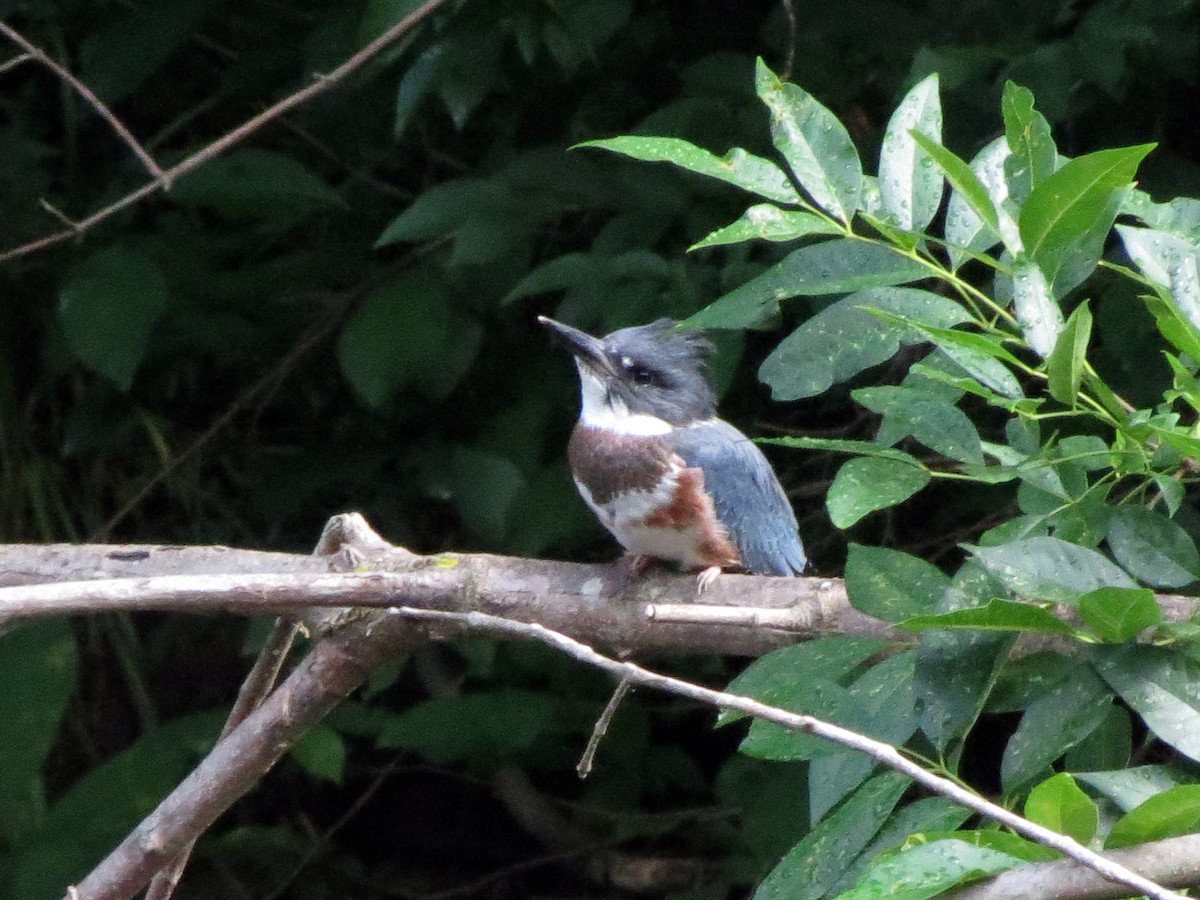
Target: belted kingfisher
point(668, 478)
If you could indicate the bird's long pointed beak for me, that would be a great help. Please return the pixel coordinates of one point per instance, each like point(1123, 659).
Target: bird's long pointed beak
point(582, 346)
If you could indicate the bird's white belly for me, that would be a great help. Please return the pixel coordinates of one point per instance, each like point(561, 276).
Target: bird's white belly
point(625, 516)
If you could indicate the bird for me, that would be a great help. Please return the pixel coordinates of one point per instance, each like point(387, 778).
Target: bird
point(669, 479)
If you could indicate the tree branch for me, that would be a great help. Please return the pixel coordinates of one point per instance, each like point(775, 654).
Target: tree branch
point(37, 53)
point(320, 84)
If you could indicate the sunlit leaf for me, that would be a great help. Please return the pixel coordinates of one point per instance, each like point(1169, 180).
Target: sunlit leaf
point(1119, 614)
point(909, 184)
point(769, 223)
point(867, 484)
point(1066, 363)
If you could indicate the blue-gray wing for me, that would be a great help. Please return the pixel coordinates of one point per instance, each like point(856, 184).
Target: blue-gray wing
point(747, 496)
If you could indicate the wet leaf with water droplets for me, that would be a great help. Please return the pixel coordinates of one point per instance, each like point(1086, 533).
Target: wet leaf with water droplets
point(909, 182)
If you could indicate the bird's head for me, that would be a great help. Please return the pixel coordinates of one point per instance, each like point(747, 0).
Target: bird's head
point(641, 380)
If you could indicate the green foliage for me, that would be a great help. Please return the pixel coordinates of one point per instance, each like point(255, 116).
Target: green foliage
point(338, 314)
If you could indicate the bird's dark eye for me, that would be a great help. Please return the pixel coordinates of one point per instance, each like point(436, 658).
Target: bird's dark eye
point(642, 375)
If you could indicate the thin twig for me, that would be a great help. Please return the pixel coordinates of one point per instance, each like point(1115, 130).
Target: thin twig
point(600, 729)
point(14, 62)
point(156, 172)
point(320, 84)
point(789, 59)
point(877, 750)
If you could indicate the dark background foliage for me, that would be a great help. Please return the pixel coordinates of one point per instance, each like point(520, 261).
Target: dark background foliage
point(339, 314)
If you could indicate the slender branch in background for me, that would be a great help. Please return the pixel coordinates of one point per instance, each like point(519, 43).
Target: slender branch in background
point(600, 729)
point(789, 58)
point(877, 750)
point(254, 690)
point(320, 84)
point(160, 177)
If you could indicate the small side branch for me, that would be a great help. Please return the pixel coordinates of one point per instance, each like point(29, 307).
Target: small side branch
point(37, 53)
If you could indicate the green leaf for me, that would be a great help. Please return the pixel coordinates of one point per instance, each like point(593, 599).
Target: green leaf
point(1067, 362)
point(867, 484)
point(1059, 804)
point(252, 183)
point(1068, 216)
point(838, 266)
point(1152, 548)
point(997, 615)
point(977, 354)
point(737, 167)
point(1052, 724)
point(879, 703)
point(1119, 614)
point(322, 753)
point(892, 585)
point(967, 232)
point(407, 334)
point(1037, 311)
point(108, 308)
point(934, 421)
point(1129, 788)
point(783, 675)
point(1160, 685)
point(1028, 135)
point(845, 338)
point(928, 870)
point(1048, 568)
point(37, 669)
point(1109, 746)
point(816, 145)
point(970, 189)
point(1172, 813)
point(769, 223)
point(463, 728)
point(841, 445)
point(818, 862)
point(1156, 253)
point(909, 184)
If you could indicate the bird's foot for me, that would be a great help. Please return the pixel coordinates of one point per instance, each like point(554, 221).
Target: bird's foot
point(707, 577)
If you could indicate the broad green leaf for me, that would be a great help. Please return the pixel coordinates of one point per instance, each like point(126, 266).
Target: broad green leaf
point(1185, 287)
point(838, 266)
point(930, 419)
point(1066, 363)
point(769, 223)
point(917, 817)
point(253, 183)
point(407, 334)
point(1059, 804)
point(1052, 724)
point(1160, 685)
point(967, 230)
point(979, 355)
point(910, 185)
point(818, 862)
point(816, 145)
point(37, 669)
point(1119, 614)
point(928, 870)
point(841, 445)
point(108, 308)
point(1172, 813)
point(956, 670)
point(845, 338)
point(737, 167)
point(1155, 253)
point(867, 484)
point(1130, 788)
point(997, 615)
point(785, 674)
point(1028, 135)
point(463, 728)
point(1037, 311)
point(1152, 548)
point(1047, 568)
point(1173, 324)
point(892, 585)
point(879, 703)
point(1110, 746)
point(1068, 216)
point(322, 753)
point(971, 191)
